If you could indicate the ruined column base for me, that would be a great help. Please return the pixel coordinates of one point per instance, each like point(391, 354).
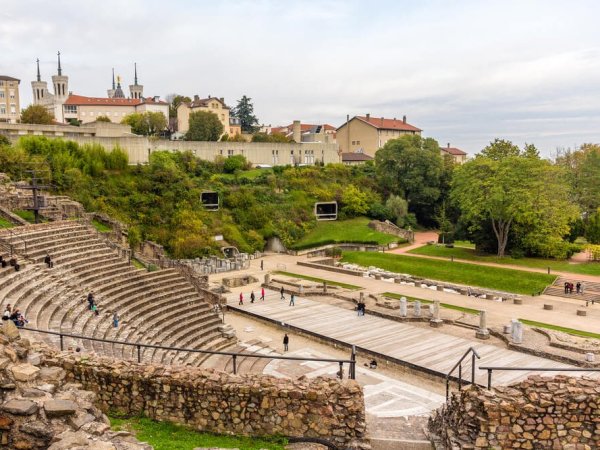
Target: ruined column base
point(436, 323)
point(482, 334)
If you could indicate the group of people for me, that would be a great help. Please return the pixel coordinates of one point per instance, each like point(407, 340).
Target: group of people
point(252, 296)
point(15, 315)
point(92, 305)
point(11, 262)
point(569, 287)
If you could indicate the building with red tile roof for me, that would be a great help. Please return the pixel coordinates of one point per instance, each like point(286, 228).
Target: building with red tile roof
point(306, 132)
point(366, 134)
point(457, 154)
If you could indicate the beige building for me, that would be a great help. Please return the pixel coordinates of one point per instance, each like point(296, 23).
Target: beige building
point(9, 99)
point(214, 105)
point(87, 109)
point(457, 154)
point(42, 96)
point(366, 134)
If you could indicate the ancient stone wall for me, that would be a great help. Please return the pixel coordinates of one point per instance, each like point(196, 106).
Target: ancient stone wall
point(540, 412)
point(389, 228)
point(223, 403)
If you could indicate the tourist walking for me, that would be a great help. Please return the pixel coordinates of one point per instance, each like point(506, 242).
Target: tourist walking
point(262, 294)
point(566, 287)
point(115, 320)
point(252, 297)
point(292, 300)
point(262, 264)
point(286, 341)
point(48, 261)
point(241, 302)
point(95, 309)
point(282, 291)
point(578, 287)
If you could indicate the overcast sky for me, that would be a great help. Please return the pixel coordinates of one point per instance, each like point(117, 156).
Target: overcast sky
point(463, 71)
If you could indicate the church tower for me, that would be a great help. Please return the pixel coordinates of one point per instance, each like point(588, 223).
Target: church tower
point(119, 91)
point(40, 88)
point(61, 92)
point(111, 92)
point(136, 90)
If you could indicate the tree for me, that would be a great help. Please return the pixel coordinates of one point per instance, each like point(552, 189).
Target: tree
point(174, 101)
point(37, 114)
point(234, 163)
point(513, 188)
point(147, 124)
point(398, 208)
point(204, 126)
point(103, 119)
point(275, 137)
point(245, 112)
point(412, 167)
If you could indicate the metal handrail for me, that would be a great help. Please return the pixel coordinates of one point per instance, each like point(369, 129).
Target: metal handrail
point(351, 362)
point(12, 246)
point(474, 354)
point(490, 369)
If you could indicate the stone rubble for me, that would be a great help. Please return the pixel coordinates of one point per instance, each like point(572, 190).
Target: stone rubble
point(40, 410)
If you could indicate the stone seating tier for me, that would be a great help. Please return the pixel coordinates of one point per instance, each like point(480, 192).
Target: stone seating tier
point(155, 307)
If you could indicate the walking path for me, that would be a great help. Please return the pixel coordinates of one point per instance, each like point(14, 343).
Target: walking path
point(426, 349)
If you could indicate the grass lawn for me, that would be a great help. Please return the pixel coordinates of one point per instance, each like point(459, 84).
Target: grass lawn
point(422, 300)
point(102, 228)
point(572, 331)
point(538, 263)
point(168, 436)
point(352, 230)
point(26, 214)
point(5, 223)
point(318, 280)
point(508, 280)
point(465, 244)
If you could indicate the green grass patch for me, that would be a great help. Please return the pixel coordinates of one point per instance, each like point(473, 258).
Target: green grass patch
point(536, 263)
point(168, 436)
point(318, 280)
point(507, 280)
point(350, 231)
point(26, 214)
point(548, 326)
point(422, 300)
point(464, 244)
point(137, 263)
point(5, 223)
point(101, 227)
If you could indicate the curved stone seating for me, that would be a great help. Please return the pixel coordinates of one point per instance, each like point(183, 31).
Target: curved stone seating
point(159, 307)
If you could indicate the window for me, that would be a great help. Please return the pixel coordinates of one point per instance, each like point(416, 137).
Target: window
point(357, 142)
point(1, 83)
point(83, 113)
point(12, 94)
point(1, 94)
point(230, 153)
point(70, 109)
point(2, 109)
point(353, 142)
point(13, 108)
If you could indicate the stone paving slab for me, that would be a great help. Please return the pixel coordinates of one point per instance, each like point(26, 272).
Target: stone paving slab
point(423, 348)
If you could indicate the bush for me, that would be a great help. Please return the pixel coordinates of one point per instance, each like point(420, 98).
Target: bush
point(234, 163)
point(333, 252)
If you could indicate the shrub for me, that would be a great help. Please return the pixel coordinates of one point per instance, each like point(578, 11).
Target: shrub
point(235, 163)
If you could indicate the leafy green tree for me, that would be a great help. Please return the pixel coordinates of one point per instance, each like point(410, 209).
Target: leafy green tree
point(37, 114)
point(513, 188)
point(204, 126)
point(275, 137)
point(245, 112)
point(147, 124)
point(592, 231)
point(4, 141)
point(174, 101)
point(103, 119)
point(412, 167)
point(235, 163)
point(398, 208)
point(355, 202)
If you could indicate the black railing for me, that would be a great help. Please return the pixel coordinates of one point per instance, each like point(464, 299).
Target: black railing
point(351, 362)
point(490, 369)
point(458, 365)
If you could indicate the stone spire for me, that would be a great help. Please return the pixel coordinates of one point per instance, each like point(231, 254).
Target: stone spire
point(135, 71)
point(39, 78)
point(136, 90)
point(59, 68)
point(113, 71)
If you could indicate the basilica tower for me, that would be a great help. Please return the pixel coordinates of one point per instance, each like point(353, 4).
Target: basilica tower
point(136, 90)
point(40, 88)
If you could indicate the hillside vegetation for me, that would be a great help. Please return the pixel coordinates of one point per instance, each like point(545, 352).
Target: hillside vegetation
point(161, 201)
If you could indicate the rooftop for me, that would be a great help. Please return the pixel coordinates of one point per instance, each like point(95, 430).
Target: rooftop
point(355, 156)
point(382, 123)
point(81, 100)
point(453, 151)
point(7, 78)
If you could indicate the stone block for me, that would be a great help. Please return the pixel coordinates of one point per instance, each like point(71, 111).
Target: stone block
point(58, 408)
point(24, 372)
point(10, 330)
point(581, 312)
point(34, 359)
point(548, 307)
point(19, 407)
